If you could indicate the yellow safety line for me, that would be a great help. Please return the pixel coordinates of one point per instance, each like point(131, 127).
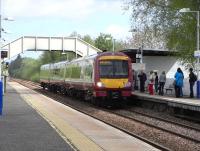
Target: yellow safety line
point(75, 137)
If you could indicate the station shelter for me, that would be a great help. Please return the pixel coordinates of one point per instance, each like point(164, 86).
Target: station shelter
point(158, 60)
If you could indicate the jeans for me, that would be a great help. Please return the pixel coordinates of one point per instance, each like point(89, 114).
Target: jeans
point(191, 89)
point(177, 90)
point(161, 88)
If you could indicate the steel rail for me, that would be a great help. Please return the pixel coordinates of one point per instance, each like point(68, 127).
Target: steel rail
point(156, 127)
point(167, 121)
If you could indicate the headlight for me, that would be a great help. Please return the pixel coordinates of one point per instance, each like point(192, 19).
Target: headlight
point(127, 84)
point(100, 84)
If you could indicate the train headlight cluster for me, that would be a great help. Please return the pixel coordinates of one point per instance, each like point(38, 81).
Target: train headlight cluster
point(100, 84)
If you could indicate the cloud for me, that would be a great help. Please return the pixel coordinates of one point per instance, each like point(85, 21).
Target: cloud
point(118, 31)
point(61, 17)
point(70, 9)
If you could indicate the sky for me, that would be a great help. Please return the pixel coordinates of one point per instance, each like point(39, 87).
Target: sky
point(62, 17)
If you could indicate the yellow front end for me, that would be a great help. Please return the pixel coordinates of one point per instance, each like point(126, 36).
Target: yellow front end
point(114, 83)
point(114, 77)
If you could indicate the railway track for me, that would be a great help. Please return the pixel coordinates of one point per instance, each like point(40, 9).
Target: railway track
point(127, 116)
point(195, 128)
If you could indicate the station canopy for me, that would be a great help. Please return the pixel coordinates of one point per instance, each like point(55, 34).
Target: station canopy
point(64, 44)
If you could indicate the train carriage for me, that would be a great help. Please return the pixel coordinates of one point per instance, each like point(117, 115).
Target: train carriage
point(104, 76)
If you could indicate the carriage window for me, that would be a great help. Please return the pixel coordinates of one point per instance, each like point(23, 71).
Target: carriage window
point(113, 68)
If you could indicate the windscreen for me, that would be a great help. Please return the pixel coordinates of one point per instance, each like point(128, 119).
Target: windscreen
point(113, 68)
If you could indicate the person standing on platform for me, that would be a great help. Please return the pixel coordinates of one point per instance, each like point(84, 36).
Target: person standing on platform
point(192, 80)
point(162, 80)
point(156, 82)
point(135, 80)
point(151, 83)
point(178, 82)
point(133, 84)
point(142, 77)
point(181, 88)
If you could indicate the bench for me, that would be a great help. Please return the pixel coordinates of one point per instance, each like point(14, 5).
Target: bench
point(170, 88)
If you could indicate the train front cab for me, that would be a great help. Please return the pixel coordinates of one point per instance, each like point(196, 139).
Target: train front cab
point(113, 76)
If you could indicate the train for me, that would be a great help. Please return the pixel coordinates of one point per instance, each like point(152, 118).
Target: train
point(105, 76)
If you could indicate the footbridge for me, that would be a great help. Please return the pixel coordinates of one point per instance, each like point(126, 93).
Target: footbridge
point(35, 43)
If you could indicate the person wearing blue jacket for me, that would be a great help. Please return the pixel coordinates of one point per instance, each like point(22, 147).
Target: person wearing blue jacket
point(178, 82)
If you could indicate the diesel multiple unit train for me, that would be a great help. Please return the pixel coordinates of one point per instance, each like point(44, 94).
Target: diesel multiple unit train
point(104, 76)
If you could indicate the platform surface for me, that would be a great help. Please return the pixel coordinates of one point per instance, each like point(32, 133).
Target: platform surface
point(23, 129)
point(185, 102)
point(84, 132)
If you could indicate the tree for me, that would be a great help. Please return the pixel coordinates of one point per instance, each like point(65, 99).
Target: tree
point(15, 65)
point(147, 38)
point(119, 45)
point(75, 34)
point(88, 39)
point(104, 42)
point(56, 56)
point(164, 19)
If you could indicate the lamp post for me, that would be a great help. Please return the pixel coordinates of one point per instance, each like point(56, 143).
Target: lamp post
point(186, 10)
point(138, 41)
point(141, 61)
point(113, 45)
point(113, 42)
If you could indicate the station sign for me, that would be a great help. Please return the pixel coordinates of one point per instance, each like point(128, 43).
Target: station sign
point(197, 54)
point(138, 66)
point(138, 56)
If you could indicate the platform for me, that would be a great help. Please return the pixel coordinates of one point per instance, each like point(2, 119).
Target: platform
point(182, 102)
point(83, 132)
point(23, 129)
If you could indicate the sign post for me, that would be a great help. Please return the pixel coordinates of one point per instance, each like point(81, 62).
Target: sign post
point(1, 90)
point(197, 55)
point(1, 97)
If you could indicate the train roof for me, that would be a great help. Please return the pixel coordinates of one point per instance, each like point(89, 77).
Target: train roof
point(85, 58)
point(45, 66)
point(59, 64)
point(55, 65)
point(99, 55)
point(52, 65)
point(112, 53)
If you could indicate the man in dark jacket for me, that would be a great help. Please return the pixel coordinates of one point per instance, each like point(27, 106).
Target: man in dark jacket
point(192, 79)
point(142, 77)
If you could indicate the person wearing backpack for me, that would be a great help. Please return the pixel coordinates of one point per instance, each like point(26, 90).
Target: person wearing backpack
point(192, 80)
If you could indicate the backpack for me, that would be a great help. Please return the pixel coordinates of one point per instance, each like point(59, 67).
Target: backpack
point(194, 77)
